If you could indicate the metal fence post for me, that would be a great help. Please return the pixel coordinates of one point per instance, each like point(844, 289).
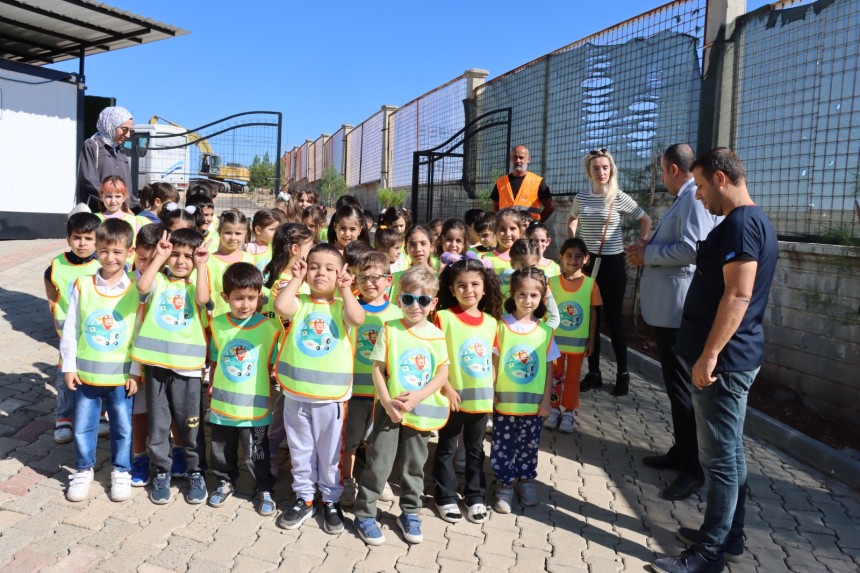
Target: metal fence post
point(347, 128)
point(387, 145)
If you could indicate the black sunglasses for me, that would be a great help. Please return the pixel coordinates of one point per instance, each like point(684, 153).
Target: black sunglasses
point(423, 300)
point(598, 151)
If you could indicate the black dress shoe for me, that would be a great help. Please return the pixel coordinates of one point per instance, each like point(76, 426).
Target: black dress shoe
point(622, 384)
point(683, 487)
point(660, 462)
point(733, 551)
point(591, 381)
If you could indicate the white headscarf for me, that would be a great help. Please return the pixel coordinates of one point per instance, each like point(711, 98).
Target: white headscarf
point(109, 119)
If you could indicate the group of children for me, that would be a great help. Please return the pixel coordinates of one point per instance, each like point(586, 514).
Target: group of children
point(306, 333)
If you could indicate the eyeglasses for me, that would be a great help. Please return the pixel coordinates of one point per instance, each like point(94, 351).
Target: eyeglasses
point(126, 130)
point(603, 151)
point(370, 278)
point(423, 300)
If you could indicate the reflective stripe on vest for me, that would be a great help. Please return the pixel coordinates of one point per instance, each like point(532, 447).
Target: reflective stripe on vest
point(316, 359)
point(470, 350)
point(521, 378)
point(412, 361)
point(63, 274)
point(363, 340)
point(574, 309)
point(240, 381)
point(527, 196)
point(172, 334)
point(106, 326)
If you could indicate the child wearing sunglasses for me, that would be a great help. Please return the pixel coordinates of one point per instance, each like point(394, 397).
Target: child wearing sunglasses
point(409, 405)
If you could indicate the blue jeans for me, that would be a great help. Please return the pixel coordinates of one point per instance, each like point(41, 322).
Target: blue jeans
point(720, 411)
point(88, 408)
point(65, 409)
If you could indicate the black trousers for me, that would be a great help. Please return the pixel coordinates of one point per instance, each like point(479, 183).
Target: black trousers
point(612, 281)
point(473, 427)
point(679, 386)
point(225, 454)
point(170, 396)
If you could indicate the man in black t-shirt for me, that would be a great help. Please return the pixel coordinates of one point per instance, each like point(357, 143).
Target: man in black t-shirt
point(721, 335)
point(523, 190)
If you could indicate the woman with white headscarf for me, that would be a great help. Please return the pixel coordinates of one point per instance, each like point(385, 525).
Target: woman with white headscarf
point(102, 155)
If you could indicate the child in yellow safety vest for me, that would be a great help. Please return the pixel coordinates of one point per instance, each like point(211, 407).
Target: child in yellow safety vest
point(95, 350)
point(315, 372)
point(471, 304)
point(578, 298)
point(242, 353)
point(80, 260)
point(509, 226)
point(409, 405)
point(522, 357)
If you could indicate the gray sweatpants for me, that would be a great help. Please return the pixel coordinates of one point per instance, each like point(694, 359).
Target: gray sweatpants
point(315, 437)
point(389, 439)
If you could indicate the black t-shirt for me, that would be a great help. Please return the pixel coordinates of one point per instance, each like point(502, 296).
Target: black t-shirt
point(745, 234)
point(516, 182)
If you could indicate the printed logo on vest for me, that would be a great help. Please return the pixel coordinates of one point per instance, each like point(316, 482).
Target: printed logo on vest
point(365, 341)
point(475, 358)
point(505, 279)
point(521, 364)
point(104, 330)
point(318, 335)
point(415, 368)
point(173, 310)
point(238, 361)
point(571, 315)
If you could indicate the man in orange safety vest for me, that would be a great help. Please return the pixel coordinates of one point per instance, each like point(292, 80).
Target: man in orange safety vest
point(523, 190)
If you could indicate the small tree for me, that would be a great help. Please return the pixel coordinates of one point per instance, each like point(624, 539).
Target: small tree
point(390, 197)
point(332, 186)
point(262, 172)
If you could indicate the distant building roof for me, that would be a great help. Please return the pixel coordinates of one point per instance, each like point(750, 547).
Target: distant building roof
point(41, 32)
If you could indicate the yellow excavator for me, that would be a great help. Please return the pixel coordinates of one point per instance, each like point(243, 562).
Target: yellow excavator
point(234, 176)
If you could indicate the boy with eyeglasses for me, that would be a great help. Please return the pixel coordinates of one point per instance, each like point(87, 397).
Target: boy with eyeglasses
point(409, 405)
point(373, 276)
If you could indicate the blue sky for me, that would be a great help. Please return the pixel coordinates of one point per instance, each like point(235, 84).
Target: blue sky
point(327, 63)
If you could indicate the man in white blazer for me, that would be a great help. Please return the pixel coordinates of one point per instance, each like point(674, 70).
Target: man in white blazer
point(668, 262)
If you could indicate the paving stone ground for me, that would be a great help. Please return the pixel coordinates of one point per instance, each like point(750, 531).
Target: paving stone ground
point(599, 512)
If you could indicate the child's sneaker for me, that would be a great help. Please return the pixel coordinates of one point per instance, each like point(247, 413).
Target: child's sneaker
point(504, 496)
point(140, 471)
point(477, 513)
point(120, 485)
point(450, 512)
point(178, 468)
point(295, 516)
point(551, 422)
point(196, 489)
point(387, 493)
point(104, 426)
point(410, 525)
point(160, 493)
point(79, 485)
point(567, 420)
point(63, 432)
point(369, 531)
point(220, 496)
point(528, 494)
point(350, 488)
point(266, 506)
point(332, 518)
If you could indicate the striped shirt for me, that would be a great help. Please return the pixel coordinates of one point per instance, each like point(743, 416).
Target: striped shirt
point(592, 213)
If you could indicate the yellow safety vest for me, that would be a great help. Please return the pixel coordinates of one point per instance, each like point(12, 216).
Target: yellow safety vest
point(240, 383)
point(521, 378)
point(216, 267)
point(316, 359)
point(551, 269)
point(412, 362)
point(63, 275)
point(470, 350)
point(503, 270)
point(574, 309)
point(363, 340)
point(107, 324)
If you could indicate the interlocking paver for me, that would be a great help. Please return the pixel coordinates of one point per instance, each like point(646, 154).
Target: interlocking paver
point(599, 507)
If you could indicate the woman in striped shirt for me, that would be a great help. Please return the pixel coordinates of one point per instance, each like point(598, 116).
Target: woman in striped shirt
point(596, 215)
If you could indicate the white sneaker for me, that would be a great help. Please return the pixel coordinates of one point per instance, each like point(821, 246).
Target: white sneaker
point(504, 496)
point(567, 420)
point(63, 433)
point(528, 494)
point(450, 512)
point(104, 427)
point(477, 513)
point(350, 488)
point(551, 422)
point(79, 485)
point(387, 493)
point(120, 485)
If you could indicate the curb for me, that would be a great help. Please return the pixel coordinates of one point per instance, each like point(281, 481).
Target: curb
point(822, 457)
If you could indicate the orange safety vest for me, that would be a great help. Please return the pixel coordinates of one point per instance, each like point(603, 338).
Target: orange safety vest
point(527, 197)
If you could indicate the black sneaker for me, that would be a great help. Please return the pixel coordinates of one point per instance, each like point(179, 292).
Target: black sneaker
point(622, 384)
point(333, 522)
point(591, 381)
point(160, 493)
point(196, 488)
point(295, 516)
point(733, 552)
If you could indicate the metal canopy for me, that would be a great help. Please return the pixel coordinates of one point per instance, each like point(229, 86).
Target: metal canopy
point(46, 31)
